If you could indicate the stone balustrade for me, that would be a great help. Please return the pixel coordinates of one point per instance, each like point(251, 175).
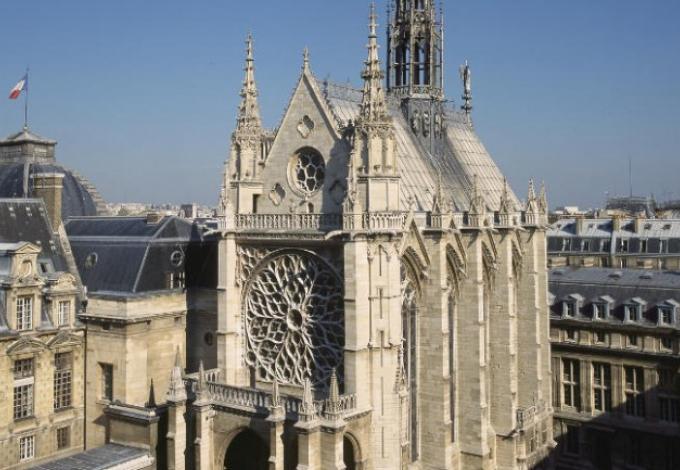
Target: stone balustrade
point(255, 400)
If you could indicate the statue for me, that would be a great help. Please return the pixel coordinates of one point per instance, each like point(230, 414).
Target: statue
point(466, 77)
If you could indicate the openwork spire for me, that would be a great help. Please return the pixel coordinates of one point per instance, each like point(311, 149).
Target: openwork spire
point(176, 390)
point(249, 110)
point(373, 105)
point(466, 78)
point(532, 211)
point(307, 408)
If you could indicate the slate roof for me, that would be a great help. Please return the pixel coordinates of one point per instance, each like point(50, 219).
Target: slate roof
point(129, 255)
point(622, 286)
point(463, 158)
point(602, 227)
point(101, 458)
point(25, 220)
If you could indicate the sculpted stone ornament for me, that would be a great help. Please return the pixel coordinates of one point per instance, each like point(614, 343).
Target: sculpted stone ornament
point(294, 319)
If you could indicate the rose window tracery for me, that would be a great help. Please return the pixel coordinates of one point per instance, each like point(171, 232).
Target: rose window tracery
point(294, 321)
point(308, 171)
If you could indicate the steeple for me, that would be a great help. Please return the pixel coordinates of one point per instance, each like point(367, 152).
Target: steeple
point(415, 49)
point(373, 104)
point(249, 110)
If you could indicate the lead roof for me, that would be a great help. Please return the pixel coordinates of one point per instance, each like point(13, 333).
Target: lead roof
point(100, 458)
point(463, 159)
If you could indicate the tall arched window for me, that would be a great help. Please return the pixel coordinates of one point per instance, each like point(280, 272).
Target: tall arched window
point(409, 315)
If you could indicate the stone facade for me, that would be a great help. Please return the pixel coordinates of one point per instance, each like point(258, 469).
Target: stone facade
point(41, 360)
point(616, 242)
point(616, 383)
point(382, 303)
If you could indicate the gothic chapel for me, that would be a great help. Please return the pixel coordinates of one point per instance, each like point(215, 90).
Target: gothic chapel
point(382, 293)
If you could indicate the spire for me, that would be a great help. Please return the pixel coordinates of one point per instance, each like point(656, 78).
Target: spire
point(307, 409)
point(373, 104)
point(543, 200)
point(333, 410)
point(249, 110)
point(415, 50)
point(176, 390)
point(532, 213)
point(201, 392)
point(506, 206)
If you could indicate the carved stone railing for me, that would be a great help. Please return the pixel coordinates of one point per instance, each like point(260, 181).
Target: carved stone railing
point(392, 220)
point(255, 400)
point(384, 220)
point(320, 222)
point(528, 415)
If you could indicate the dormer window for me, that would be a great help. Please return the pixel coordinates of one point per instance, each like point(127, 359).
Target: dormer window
point(666, 312)
point(571, 305)
point(24, 313)
point(601, 307)
point(633, 310)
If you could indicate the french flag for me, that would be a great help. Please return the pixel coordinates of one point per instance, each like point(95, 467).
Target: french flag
point(18, 88)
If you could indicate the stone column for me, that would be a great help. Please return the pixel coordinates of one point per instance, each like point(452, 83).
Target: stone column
point(308, 430)
point(176, 436)
point(472, 363)
point(204, 414)
point(276, 420)
point(434, 328)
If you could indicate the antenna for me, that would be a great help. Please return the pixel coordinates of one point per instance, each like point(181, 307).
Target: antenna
point(630, 175)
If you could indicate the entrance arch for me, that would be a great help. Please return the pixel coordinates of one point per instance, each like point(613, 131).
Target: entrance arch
point(351, 454)
point(247, 451)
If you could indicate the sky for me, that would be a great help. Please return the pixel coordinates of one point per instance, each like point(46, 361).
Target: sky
point(142, 95)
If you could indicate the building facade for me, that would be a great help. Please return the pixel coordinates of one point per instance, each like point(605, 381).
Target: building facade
point(41, 340)
point(382, 294)
point(616, 242)
point(616, 359)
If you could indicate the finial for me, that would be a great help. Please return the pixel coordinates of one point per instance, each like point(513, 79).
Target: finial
point(276, 400)
point(543, 200)
point(334, 393)
point(305, 59)
point(249, 47)
point(200, 385)
point(307, 409)
point(532, 211)
point(373, 24)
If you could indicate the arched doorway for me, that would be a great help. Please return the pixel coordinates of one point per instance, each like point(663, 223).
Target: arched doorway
point(349, 454)
point(246, 452)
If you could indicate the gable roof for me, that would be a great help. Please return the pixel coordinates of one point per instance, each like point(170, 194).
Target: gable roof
point(463, 158)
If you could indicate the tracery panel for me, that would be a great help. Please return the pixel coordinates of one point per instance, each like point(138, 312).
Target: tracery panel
point(294, 319)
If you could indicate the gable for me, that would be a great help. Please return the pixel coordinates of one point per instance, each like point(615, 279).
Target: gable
point(308, 128)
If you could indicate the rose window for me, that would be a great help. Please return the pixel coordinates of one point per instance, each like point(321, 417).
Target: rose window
point(308, 170)
point(294, 319)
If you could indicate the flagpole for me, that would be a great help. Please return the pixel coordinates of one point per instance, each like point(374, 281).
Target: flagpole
point(26, 102)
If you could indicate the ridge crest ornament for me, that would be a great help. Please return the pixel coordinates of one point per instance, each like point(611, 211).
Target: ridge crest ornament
point(294, 319)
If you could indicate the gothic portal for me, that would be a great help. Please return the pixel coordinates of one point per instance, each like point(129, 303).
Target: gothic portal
point(382, 291)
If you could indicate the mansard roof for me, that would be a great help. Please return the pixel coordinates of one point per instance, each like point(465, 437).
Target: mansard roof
point(619, 287)
point(130, 254)
point(463, 157)
point(25, 220)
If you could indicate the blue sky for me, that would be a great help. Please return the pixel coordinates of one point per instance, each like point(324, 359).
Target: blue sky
point(142, 95)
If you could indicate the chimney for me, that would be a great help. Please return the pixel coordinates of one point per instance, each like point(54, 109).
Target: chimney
point(153, 218)
point(616, 222)
point(638, 223)
point(579, 223)
point(48, 187)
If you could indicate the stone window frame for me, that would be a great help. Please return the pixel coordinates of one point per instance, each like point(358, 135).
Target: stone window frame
point(23, 404)
point(667, 313)
point(25, 308)
point(602, 383)
point(26, 448)
point(634, 391)
point(570, 381)
point(106, 391)
point(63, 380)
point(64, 312)
point(63, 437)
